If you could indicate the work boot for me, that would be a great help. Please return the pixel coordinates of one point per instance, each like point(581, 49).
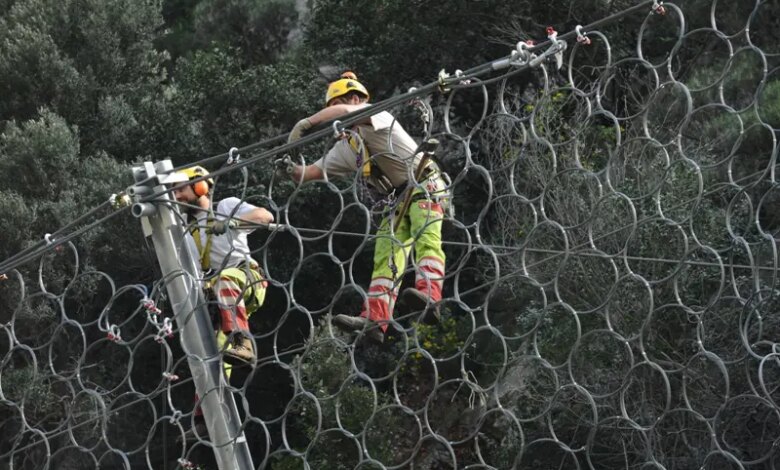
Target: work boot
point(375, 334)
point(195, 433)
point(350, 323)
point(357, 324)
point(240, 353)
point(417, 301)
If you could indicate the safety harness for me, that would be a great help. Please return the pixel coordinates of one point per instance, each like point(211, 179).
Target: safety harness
point(370, 169)
point(400, 197)
point(240, 274)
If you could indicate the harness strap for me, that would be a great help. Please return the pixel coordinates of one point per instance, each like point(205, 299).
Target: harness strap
point(204, 251)
point(250, 271)
point(363, 158)
point(368, 168)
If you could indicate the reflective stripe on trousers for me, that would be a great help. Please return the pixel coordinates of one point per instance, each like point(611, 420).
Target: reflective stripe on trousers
point(233, 292)
point(420, 229)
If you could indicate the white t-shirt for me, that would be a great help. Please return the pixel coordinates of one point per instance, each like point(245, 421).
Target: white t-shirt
point(391, 149)
point(232, 245)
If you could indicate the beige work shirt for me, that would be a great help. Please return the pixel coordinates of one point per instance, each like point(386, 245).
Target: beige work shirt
point(390, 147)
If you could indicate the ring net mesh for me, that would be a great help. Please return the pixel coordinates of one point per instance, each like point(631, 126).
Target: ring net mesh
point(610, 300)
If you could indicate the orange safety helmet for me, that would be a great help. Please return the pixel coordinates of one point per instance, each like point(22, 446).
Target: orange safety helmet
point(200, 188)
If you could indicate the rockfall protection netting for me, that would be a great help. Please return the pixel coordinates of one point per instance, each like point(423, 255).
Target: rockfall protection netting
point(610, 301)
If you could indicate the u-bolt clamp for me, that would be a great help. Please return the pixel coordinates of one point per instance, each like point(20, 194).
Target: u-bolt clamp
point(582, 38)
point(231, 159)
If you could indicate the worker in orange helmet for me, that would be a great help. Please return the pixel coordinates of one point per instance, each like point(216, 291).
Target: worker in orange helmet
point(232, 278)
point(236, 281)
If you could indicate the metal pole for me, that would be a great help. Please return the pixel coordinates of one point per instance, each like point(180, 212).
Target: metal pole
point(182, 276)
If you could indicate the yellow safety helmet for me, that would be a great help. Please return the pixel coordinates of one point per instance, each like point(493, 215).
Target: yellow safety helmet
point(347, 83)
point(201, 188)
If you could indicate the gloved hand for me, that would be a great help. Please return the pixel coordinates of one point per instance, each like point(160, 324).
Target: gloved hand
point(301, 127)
point(284, 167)
point(220, 227)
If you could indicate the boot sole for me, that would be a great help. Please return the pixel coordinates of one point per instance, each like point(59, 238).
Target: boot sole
point(375, 334)
point(430, 313)
point(346, 326)
point(372, 333)
point(236, 361)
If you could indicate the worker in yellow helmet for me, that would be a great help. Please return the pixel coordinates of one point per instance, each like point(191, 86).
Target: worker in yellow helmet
point(387, 169)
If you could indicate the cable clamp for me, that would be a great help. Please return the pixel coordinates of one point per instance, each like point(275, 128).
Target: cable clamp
point(118, 201)
point(658, 8)
point(165, 331)
point(184, 463)
point(522, 55)
point(114, 334)
point(273, 227)
point(150, 307)
point(552, 34)
point(50, 241)
point(556, 48)
point(582, 38)
point(459, 73)
point(231, 158)
point(168, 327)
point(175, 417)
point(442, 78)
point(170, 377)
point(419, 104)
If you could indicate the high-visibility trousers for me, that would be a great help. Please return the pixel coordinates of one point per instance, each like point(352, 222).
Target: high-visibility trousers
point(419, 230)
point(237, 298)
